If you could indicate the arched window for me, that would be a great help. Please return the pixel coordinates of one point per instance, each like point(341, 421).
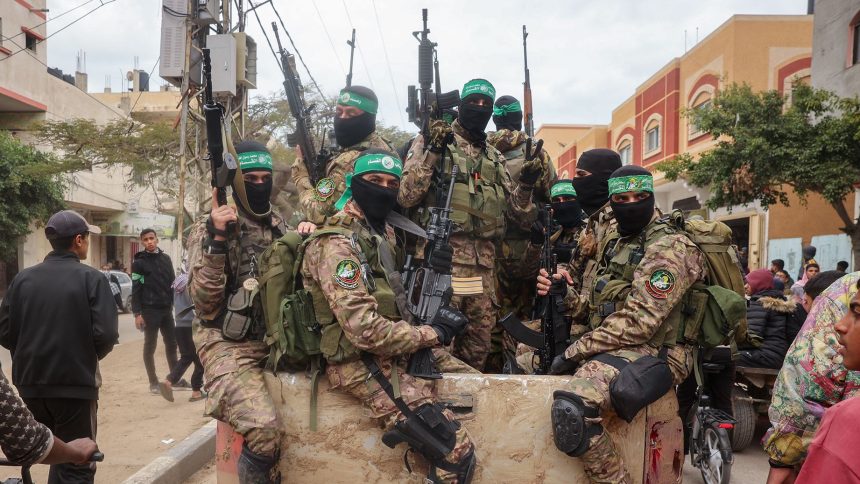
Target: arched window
point(653, 134)
point(625, 150)
point(702, 101)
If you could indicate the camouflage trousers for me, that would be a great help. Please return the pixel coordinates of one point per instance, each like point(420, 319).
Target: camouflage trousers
point(354, 378)
point(515, 295)
point(237, 392)
point(602, 462)
point(473, 344)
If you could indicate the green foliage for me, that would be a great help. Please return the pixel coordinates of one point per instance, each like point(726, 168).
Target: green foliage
point(26, 195)
point(765, 147)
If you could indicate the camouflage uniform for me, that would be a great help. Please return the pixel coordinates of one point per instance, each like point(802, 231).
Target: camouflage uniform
point(355, 319)
point(237, 393)
point(475, 228)
point(317, 202)
point(645, 318)
point(584, 264)
point(514, 288)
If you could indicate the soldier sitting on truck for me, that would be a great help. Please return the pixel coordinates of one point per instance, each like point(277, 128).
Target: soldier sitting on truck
point(366, 341)
point(646, 269)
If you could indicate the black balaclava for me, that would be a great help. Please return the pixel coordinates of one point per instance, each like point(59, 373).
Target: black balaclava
point(567, 214)
point(375, 201)
point(474, 119)
point(592, 191)
point(349, 132)
point(508, 114)
point(258, 194)
point(633, 217)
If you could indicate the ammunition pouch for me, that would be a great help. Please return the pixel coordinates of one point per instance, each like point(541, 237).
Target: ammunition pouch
point(237, 319)
point(427, 431)
point(639, 383)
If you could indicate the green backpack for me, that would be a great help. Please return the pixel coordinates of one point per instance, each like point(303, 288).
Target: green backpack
point(722, 308)
point(292, 332)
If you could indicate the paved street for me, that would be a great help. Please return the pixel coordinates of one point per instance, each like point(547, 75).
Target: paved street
point(750, 467)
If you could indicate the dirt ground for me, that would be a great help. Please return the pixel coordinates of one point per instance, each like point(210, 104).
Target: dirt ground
point(132, 423)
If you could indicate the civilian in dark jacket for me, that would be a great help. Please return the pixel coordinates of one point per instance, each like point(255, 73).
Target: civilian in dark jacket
point(151, 301)
point(768, 314)
point(59, 319)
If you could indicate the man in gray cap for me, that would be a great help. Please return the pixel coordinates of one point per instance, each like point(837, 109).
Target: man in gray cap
point(59, 319)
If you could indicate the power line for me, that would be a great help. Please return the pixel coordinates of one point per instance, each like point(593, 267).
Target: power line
point(330, 42)
point(299, 55)
point(140, 93)
point(73, 22)
point(358, 46)
point(388, 64)
point(52, 18)
point(265, 34)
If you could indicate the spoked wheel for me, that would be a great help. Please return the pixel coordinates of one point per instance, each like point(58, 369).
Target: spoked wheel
point(716, 456)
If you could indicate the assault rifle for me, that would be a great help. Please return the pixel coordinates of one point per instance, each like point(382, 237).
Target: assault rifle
point(554, 336)
point(424, 102)
point(426, 289)
point(222, 164)
point(315, 161)
point(351, 44)
point(527, 91)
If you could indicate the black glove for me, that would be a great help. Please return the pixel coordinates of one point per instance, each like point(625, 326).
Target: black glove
point(564, 252)
point(538, 232)
point(530, 172)
point(558, 287)
point(562, 366)
point(442, 258)
point(448, 323)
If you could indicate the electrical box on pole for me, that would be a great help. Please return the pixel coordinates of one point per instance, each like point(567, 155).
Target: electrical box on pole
point(246, 60)
point(222, 49)
point(173, 37)
point(208, 11)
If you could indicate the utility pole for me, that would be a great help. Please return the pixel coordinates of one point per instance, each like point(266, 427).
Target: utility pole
point(183, 126)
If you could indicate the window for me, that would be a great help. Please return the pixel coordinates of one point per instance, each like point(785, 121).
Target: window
point(652, 138)
point(695, 130)
point(626, 153)
point(855, 52)
point(31, 42)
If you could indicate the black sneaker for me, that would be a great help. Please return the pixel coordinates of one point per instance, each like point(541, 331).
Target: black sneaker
point(182, 384)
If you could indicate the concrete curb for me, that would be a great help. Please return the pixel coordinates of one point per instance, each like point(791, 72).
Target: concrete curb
point(180, 462)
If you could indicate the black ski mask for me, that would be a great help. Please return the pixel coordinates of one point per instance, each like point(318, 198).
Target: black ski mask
point(474, 119)
point(258, 196)
point(633, 217)
point(352, 131)
point(375, 201)
point(568, 214)
point(592, 190)
point(508, 114)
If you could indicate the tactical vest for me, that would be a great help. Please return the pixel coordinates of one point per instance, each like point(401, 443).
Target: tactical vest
point(335, 346)
point(478, 201)
point(620, 257)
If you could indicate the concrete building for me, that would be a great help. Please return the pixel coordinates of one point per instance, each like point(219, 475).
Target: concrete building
point(31, 92)
point(836, 47)
point(764, 51)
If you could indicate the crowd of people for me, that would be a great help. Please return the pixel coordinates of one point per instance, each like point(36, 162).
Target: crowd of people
point(629, 281)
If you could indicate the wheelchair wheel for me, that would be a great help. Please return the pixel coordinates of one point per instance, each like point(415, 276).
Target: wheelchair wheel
point(716, 455)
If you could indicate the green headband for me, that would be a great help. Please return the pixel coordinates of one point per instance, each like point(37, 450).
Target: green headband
point(372, 162)
point(635, 183)
point(479, 86)
point(513, 107)
point(255, 160)
point(348, 98)
point(564, 188)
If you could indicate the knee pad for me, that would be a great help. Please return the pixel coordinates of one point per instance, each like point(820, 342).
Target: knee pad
point(570, 431)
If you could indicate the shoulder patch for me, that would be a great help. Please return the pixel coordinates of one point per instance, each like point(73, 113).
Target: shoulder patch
point(660, 284)
point(324, 189)
point(347, 274)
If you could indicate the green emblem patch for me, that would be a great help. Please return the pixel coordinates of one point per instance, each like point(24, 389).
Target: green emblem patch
point(324, 189)
point(660, 284)
point(347, 273)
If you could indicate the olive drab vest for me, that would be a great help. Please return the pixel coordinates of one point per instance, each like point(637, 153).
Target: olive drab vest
point(335, 346)
point(478, 202)
point(620, 257)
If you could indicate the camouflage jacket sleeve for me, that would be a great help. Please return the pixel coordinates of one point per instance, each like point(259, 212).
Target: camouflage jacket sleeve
point(520, 210)
point(24, 441)
point(417, 174)
point(354, 307)
point(646, 306)
point(548, 178)
point(207, 276)
point(317, 203)
point(812, 378)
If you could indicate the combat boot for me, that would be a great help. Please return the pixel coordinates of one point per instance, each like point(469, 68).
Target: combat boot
point(257, 469)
